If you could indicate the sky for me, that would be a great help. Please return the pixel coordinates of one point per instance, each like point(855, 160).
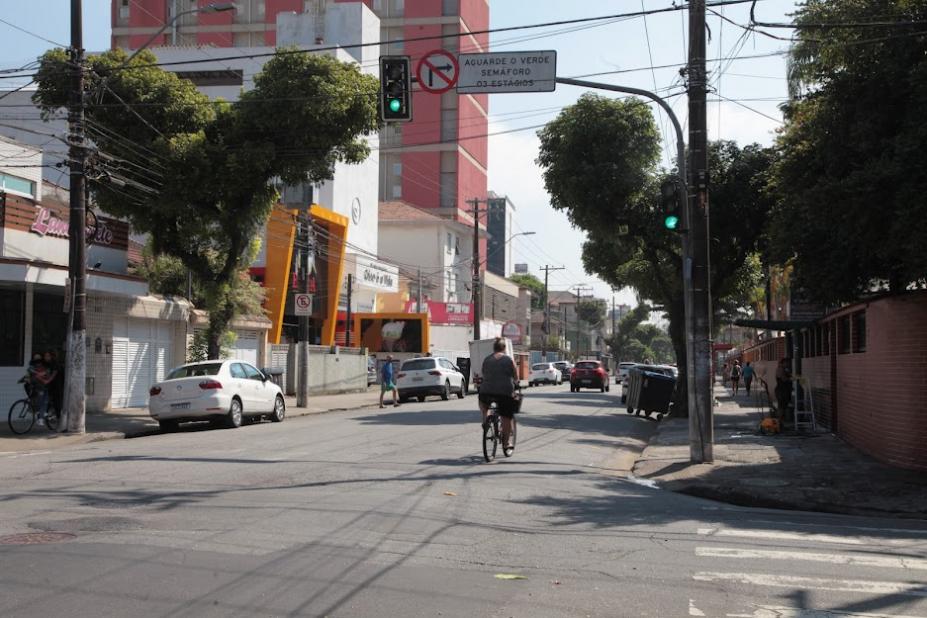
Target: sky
point(742, 107)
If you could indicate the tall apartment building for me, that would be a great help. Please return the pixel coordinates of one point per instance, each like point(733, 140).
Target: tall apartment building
point(437, 161)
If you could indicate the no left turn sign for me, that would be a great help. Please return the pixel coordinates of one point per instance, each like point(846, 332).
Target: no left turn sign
point(437, 71)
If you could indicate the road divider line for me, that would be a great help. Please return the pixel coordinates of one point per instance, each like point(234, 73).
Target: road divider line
point(815, 583)
point(887, 562)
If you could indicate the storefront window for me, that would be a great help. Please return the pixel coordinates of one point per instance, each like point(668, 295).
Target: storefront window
point(49, 323)
point(20, 185)
point(12, 308)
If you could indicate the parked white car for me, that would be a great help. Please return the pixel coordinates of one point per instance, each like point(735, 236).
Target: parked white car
point(544, 373)
point(623, 369)
point(228, 391)
point(420, 377)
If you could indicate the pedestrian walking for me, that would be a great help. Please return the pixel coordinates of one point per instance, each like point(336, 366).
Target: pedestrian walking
point(736, 372)
point(387, 382)
point(748, 374)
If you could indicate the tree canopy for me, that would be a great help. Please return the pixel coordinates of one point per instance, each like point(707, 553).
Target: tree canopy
point(600, 162)
point(850, 180)
point(535, 285)
point(199, 176)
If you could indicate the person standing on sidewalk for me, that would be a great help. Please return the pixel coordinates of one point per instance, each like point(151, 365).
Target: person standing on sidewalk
point(735, 377)
point(748, 377)
point(387, 382)
point(783, 386)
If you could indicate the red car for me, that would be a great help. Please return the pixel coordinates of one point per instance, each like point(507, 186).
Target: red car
point(588, 374)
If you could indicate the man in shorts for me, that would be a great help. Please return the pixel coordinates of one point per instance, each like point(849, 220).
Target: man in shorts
point(387, 382)
point(499, 383)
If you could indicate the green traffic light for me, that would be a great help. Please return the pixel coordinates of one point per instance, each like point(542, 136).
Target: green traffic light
point(395, 105)
point(670, 222)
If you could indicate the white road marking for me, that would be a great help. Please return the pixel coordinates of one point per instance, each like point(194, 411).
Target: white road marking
point(776, 611)
point(693, 610)
point(14, 454)
point(912, 531)
point(784, 536)
point(888, 562)
point(815, 583)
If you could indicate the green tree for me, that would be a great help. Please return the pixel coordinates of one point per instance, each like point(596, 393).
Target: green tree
point(600, 166)
point(850, 178)
point(535, 285)
point(198, 175)
point(591, 312)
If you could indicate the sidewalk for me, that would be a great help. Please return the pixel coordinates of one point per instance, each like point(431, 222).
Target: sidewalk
point(789, 471)
point(135, 422)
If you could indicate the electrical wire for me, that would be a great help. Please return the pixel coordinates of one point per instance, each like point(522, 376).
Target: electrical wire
point(30, 33)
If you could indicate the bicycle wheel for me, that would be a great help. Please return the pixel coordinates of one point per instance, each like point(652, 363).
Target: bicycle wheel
point(508, 451)
point(22, 416)
point(490, 438)
point(51, 419)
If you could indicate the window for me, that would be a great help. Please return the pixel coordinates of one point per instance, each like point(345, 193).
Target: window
point(252, 373)
point(859, 331)
point(13, 310)
point(123, 9)
point(258, 10)
point(450, 243)
point(419, 364)
point(191, 371)
point(450, 7)
point(843, 335)
point(17, 185)
point(238, 371)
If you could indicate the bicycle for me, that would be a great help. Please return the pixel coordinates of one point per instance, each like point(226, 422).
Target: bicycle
point(23, 412)
point(492, 432)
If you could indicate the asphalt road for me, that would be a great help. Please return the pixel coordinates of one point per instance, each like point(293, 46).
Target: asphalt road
point(393, 513)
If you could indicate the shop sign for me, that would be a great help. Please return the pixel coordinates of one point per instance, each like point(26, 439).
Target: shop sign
point(47, 223)
point(376, 275)
point(443, 313)
point(512, 330)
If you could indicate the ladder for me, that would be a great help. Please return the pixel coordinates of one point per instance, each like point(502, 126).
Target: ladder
point(804, 406)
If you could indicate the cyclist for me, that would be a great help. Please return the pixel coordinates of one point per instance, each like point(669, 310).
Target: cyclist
point(39, 380)
point(499, 383)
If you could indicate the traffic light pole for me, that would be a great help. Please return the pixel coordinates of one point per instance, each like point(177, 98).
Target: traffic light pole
point(700, 421)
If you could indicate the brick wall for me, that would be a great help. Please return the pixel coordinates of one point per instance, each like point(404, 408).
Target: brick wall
point(867, 368)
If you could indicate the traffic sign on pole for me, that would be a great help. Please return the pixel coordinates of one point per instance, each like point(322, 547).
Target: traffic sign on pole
point(437, 71)
point(303, 304)
point(495, 72)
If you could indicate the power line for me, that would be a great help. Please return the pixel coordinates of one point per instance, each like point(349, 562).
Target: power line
point(33, 34)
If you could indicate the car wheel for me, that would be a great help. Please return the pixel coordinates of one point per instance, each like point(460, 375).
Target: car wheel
point(461, 393)
point(404, 399)
point(421, 398)
point(279, 410)
point(446, 393)
point(602, 389)
point(168, 426)
point(607, 388)
point(233, 418)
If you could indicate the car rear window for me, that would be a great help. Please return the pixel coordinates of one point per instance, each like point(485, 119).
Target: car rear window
point(540, 366)
point(418, 364)
point(626, 365)
point(587, 365)
point(191, 371)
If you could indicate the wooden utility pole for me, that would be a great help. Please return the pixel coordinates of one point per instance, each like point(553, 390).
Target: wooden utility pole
point(76, 372)
point(306, 258)
point(476, 291)
point(347, 322)
point(547, 269)
point(701, 431)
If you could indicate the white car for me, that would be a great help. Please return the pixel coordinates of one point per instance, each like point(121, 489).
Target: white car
point(623, 369)
point(430, 375)
point(228, 390)
point(544, 373)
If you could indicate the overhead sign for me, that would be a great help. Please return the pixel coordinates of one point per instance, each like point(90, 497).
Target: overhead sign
point(521, 269)
point(303, 304)
point(495, 72)
point(443, 313)
point(437, 71)
point(512, 330)
point(377, 275)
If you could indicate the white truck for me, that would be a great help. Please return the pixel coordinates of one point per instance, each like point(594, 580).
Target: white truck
point(479, 350)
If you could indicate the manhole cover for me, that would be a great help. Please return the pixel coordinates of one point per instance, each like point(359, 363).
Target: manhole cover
point(36, 538)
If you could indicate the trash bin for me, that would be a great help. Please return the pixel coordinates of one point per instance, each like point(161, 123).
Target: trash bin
point(650, 392)
point(275, 374)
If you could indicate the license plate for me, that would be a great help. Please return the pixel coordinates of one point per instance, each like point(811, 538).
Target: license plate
point(586, 381)
point(418, 379)
point(181, 406)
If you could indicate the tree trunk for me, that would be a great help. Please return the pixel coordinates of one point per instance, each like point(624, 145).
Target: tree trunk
point(219, 319)
point(677, 331)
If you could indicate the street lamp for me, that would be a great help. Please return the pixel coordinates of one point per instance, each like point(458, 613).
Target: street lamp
point(216, 7)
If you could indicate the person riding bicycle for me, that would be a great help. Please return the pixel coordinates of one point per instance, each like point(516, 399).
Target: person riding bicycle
point(499, 385)
point(39, 379)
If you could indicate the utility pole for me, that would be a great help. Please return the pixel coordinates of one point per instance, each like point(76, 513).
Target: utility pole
point(418, 300)
point(347, 323)
point(614, 327)
point(701, 429)
point(579, 290)
point(75, 373)
point(547, 269)
point(306, 256)
point(476, 292)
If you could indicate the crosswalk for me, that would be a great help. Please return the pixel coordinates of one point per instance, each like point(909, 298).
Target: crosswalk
point(849, 571)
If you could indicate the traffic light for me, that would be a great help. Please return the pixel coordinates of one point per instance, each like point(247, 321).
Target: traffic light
point(671, 205)
point(395, 89)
